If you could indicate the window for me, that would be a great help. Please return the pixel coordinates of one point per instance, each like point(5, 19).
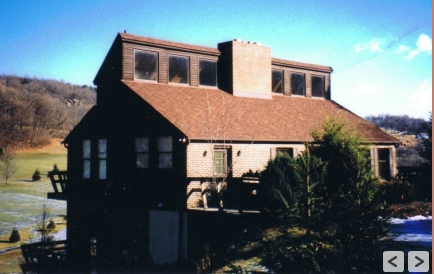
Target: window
point(384, 163)
point(207, 73)
point(102, 158)
point(277, 81)
point(220, 161)
point(145, 65)
point(93, 247)
point(142, 152)
point(317, 86)
point(86, 159)
point(285, 151)
point(164, 152)
point(178, 69)
point(297, 83)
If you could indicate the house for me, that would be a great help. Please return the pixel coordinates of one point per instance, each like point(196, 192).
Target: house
point(172, 119)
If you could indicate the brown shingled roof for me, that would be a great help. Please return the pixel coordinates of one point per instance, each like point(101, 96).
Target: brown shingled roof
point(282, 119)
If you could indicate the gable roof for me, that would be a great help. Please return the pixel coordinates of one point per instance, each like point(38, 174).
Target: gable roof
point(201, 114)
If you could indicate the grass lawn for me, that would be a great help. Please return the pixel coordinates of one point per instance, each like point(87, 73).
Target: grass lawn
point(27, 161)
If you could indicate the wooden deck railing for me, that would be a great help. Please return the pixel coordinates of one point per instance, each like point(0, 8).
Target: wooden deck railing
point(44, 257)
point(59, 182)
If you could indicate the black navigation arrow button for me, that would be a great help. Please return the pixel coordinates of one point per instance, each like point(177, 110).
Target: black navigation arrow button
point(391, 260)
point(420, 261)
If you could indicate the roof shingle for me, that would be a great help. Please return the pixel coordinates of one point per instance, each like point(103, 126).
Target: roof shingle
point(202, 114)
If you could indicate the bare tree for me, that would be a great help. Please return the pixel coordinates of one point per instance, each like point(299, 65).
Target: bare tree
point(7, 166)
point(219, 139)
point(44, 224)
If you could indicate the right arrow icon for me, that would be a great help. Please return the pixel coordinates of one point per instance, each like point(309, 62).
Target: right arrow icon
point(420, 261)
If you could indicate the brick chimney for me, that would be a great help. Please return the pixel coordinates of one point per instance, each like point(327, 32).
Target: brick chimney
point(244, 69)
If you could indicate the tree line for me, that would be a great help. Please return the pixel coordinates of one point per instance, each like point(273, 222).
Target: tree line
point(402, 123)
point(33, 110)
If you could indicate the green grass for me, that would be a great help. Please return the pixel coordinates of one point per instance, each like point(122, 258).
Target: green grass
point(27, 164)
point(43, 159)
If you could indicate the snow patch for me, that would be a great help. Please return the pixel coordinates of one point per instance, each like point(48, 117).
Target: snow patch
point(409, 219)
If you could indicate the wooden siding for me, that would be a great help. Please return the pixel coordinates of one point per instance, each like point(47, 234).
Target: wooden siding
point(128, 62)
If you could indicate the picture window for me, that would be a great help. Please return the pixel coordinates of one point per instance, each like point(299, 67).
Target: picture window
point(285, 151)
point(317, 86)
point(207, 73)
point(277, 81)
point(145, 65)
point(178, 69)
point(297, 84)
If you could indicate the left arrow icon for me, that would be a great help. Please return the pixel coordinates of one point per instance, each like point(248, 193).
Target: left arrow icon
point(391, 260)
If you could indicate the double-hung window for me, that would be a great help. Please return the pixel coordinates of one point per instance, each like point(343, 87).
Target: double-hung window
point(102, 159)
point(142, 152)
point(164, 145)
point(86, 158)
point(220, 161)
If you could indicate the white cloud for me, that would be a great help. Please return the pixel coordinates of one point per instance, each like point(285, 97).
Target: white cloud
point(372, 46)
point(423, 44)
point(419, 102)
point(402, 49)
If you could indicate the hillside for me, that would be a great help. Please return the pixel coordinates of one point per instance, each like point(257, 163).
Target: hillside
point(34, 110)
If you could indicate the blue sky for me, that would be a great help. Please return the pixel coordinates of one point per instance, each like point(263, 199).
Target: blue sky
point(380, 51)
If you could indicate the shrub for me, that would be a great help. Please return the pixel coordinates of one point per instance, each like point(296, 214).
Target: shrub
point(51, 225)
point(397, 191)
point(36, 176)
point(15, 236)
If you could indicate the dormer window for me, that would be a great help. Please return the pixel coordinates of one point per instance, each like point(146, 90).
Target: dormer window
point(145, 65)
point(317, 86)
point(297, 84)
point(207, 73)
point(178, 69)
point(277, 81)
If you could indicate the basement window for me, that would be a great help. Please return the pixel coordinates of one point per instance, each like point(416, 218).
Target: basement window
point(164, 152)
point(86, 159)
point(145, 65)
point(285, 151)
point(142, 152)
point(178, 69)
point(277, 81)
point(207, 73)
point(297, 84)
point(317, 86)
